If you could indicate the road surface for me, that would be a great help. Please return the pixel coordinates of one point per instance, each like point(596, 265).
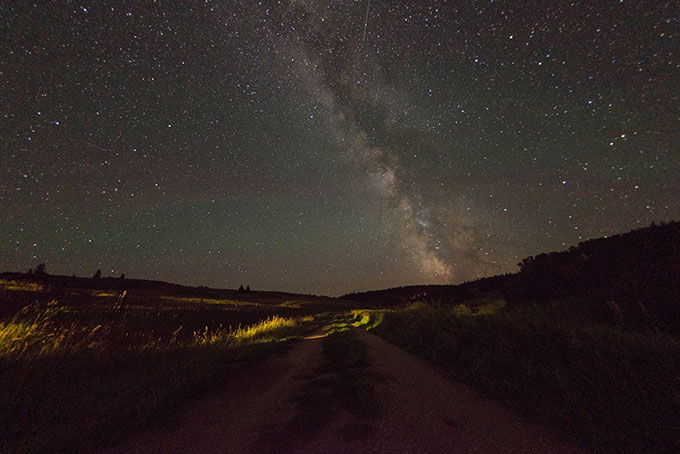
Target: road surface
point(282, 404)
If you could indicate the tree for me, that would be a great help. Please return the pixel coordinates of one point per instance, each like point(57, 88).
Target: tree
point(247, 288)
point(240, 289)
point(122, 276)
point(41, 270)
point(97, 274)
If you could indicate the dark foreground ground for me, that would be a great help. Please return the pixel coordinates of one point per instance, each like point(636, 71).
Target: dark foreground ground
point(87, 366)
point(347, 392)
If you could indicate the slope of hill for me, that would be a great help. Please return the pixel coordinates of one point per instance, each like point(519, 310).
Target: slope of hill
point(19, 289)
point(631, 279)
point(446, 294)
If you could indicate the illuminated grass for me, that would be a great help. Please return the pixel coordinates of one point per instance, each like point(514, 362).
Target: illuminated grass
point(85, 384)
point(185, 299)
point(272, 329)
point(40, 335)
point(367, 319)
point(294, 303)
point(38, 332)
point(104, 294)
point(77, 372)
point(21, 286)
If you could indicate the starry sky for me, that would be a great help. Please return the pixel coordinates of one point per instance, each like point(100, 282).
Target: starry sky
point(331, 146)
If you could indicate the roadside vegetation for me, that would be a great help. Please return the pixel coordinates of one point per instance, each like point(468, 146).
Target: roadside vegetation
point(616, 389)
point(84, 371)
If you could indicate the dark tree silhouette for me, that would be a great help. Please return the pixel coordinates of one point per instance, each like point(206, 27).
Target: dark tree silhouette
point(240, 288)
point(122, 276)
point(41, 270)
point(97, 274)
point(630, 279)
point(247, 288)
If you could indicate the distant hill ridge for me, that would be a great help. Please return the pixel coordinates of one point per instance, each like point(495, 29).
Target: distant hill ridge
point(114, 283)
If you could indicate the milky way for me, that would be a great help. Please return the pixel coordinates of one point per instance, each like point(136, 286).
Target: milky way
point(329, 147)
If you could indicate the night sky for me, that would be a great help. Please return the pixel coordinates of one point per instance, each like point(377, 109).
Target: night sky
point(331, 146)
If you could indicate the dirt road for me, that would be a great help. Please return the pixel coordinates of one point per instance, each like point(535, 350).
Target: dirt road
point(289, 403)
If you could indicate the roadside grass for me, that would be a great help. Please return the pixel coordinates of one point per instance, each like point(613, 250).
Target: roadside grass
point(617, 390)
point(272, 329)
point(367, 319)
point(70, 385)
point(216, 301)
point(37, 332)
point(16, 285)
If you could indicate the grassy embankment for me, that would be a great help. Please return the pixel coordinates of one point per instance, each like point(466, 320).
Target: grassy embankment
point(73, 377)
point(616, 389)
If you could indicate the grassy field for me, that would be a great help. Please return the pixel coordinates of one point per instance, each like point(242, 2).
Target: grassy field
point(83, 367)
point(80, 368)
point(617, 389)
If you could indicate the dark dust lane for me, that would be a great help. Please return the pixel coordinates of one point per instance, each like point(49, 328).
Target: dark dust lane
point(348, 392)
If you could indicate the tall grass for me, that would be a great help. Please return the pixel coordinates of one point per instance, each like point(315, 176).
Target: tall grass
point(67, 384)
point(274, 328)
point(24, 286)
point(616, 389)
point(35, 332)
point(32, 332)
